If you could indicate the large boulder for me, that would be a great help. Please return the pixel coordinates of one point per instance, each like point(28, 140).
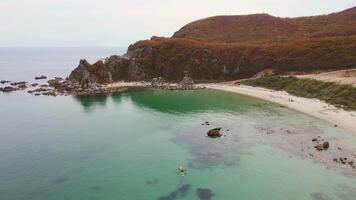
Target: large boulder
point(323, 146)
point(214, 133)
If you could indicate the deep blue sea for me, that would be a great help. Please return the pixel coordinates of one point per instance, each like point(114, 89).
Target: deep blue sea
point(24, 63)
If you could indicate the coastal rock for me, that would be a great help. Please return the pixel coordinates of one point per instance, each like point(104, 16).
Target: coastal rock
point(87, 88)
point(159, 83)
point(86, 73)
point(22, 86)
point(50, 93)
point(9, 89)
point(40, 77)
point(3, 81)
point(214, 133)
point(187, 83)
point(18, 83)
point(37, 90)
point(323, 146)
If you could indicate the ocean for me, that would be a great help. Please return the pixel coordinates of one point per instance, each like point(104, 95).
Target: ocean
point(129, 146)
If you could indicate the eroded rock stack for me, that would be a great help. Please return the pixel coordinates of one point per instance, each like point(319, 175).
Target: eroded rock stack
point(187, 83)
point(86, 73)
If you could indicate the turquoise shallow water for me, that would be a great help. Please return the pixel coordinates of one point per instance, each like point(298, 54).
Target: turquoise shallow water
point(129, 147)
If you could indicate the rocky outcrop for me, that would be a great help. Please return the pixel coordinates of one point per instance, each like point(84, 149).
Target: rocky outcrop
point(59, 86)
point(215, 133)
point(114, 68)
point(4, 81)
point(40, 77)
point(159, 83)
point(187, 83)
point(323, 146)
point(86, 73)
point(9, 89)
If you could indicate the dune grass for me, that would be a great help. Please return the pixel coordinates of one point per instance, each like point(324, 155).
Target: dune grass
point(333, 93)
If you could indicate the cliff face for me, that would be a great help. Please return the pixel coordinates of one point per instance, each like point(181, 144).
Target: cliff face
point(207, 61)
point(232, 47)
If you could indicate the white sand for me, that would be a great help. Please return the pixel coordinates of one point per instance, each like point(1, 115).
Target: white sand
point(313, 107)
point(128, 84)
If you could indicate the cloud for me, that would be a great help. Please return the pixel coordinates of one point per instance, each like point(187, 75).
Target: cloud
point(121, 22)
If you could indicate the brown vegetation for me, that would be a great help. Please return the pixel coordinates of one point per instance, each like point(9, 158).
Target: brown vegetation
point(263, 28)
point(232, 47)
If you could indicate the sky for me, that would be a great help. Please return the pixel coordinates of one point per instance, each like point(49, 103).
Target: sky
point(122, 22)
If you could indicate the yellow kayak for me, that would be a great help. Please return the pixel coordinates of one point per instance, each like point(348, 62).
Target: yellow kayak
point(181, 171)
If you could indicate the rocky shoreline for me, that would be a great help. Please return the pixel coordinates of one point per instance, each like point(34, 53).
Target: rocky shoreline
point(88, 86)
point(60, 87)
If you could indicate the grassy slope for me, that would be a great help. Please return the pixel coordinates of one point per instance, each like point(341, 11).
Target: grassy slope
point(344, 95)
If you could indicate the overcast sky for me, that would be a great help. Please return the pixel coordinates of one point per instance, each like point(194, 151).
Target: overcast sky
point(121, 22)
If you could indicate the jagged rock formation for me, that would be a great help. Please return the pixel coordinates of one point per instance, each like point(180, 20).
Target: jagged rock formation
point(86, 73)
point(187, 83)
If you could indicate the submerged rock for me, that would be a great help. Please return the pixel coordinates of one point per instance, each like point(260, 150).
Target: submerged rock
point(180, 192)
point(214, 133)
point(205, 194)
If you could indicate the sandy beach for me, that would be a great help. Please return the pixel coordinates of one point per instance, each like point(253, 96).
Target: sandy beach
point(313, 107)
point(128, 84)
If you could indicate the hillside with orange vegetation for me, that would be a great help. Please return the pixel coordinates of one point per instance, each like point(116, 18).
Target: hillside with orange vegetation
point(232, 47)
point(264, 28)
